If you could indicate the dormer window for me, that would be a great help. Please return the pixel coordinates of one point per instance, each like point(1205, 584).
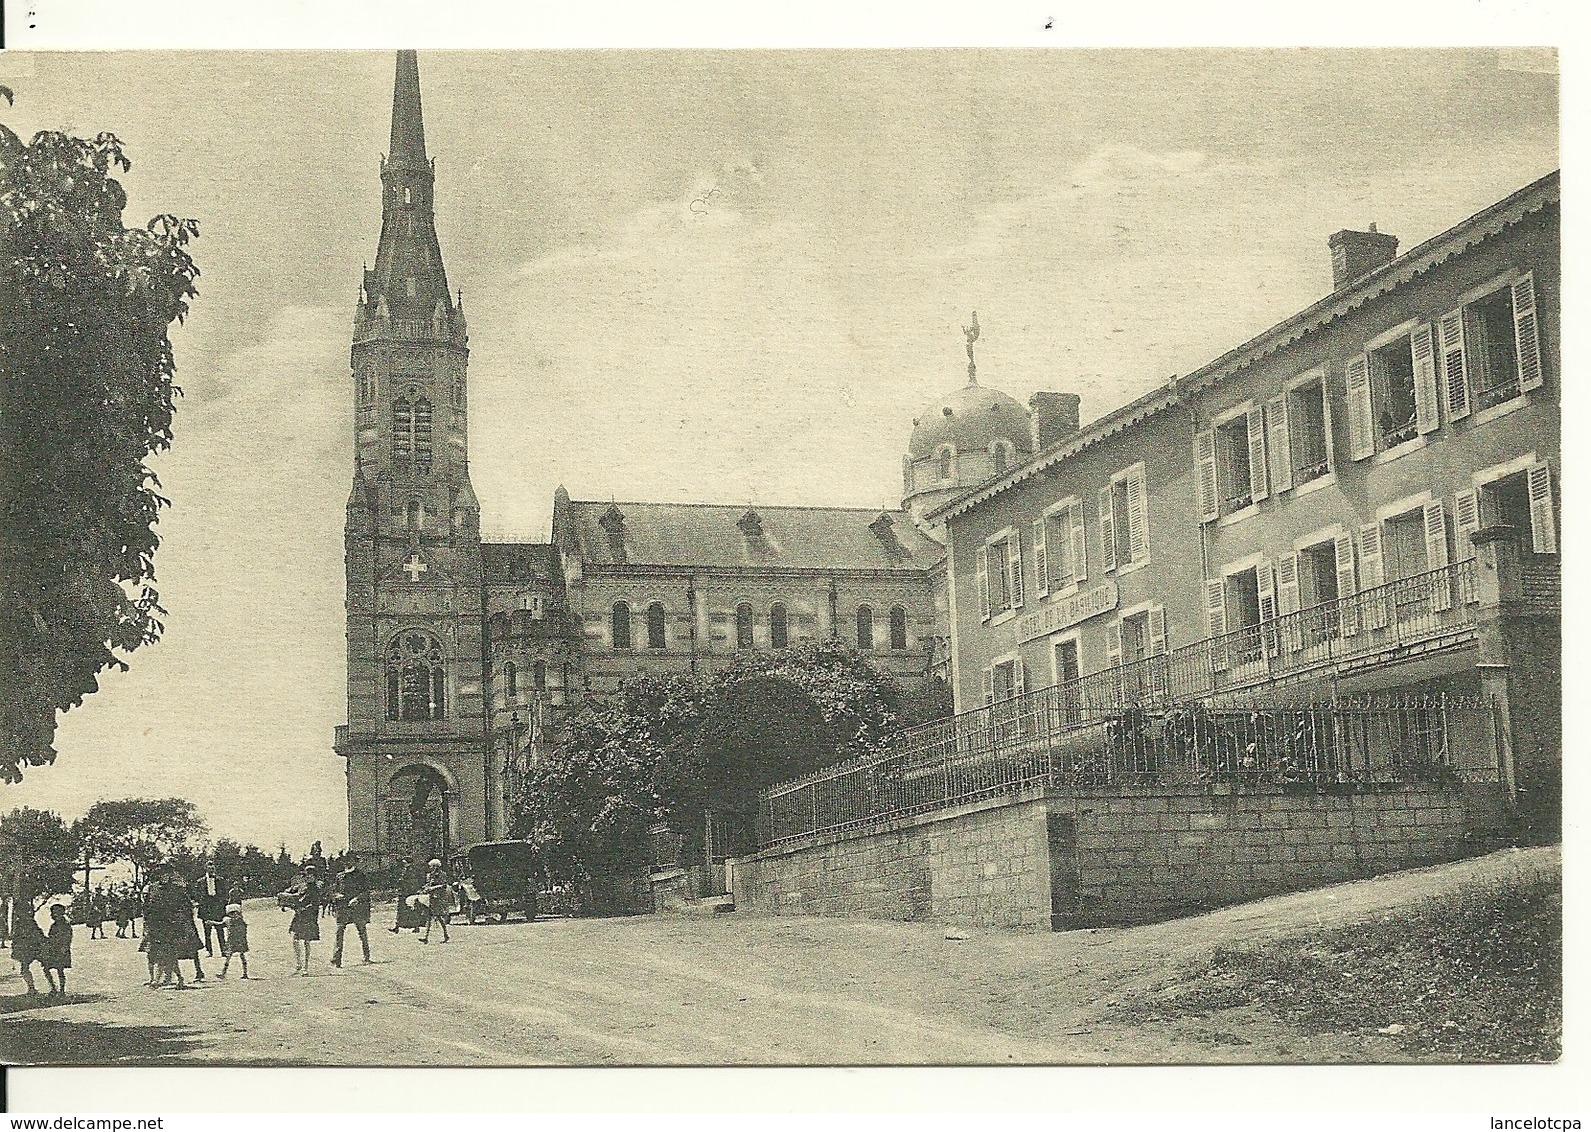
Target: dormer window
point(612, 522)
point(750, 525)
point(1001, 453)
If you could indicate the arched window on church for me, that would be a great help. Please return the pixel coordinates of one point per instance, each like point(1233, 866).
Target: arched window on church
point(947, 462)
point(621, 624)
point(656, 628)
point(416, 677)
point(411, 435)
point(744, 638)
point(1002, 456)
point(538, 675)
point(416, 515)
point(408, 195)
point(864, 627)
point(422, 437)
point(897, 628)
point(778, 626)
point(511, 680)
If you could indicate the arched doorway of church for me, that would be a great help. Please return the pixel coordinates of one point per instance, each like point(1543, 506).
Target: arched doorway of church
point(421, 824)
point(760, 731)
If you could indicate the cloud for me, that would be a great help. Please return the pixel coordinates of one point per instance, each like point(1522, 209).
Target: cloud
point(1112, 166)
point(714, 203)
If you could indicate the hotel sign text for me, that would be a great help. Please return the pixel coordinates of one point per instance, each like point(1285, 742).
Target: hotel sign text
point(1065, 613)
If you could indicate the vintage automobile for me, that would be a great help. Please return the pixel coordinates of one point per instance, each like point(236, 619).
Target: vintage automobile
point(503, 878)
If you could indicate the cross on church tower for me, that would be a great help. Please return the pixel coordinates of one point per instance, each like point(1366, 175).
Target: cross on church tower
point(415, 567)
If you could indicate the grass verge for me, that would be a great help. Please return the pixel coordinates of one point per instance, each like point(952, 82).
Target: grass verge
point(1475, 975)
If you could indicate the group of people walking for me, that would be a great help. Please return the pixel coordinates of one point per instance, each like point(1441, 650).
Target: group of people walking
point(122, 904)
point(187, 922)
point(172, 936)
point(51, 950)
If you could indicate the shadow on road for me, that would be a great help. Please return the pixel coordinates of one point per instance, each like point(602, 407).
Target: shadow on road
point(52, 1041)
point(15, 1003)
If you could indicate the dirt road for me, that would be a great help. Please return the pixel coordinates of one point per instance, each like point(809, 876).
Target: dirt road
point(730, 989)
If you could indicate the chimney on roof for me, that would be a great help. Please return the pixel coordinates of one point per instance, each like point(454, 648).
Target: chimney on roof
point(1356, 254)
point(1054, 417)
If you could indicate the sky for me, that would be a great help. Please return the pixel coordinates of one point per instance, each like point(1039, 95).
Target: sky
point(711, 276)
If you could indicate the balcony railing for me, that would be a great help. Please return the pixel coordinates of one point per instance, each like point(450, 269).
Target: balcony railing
point(1033, 744)
point(1017, 741)
point(413, 329)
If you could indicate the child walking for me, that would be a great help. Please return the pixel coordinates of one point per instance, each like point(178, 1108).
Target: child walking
point(58, 950)
point(235, 943)
point(437, 893)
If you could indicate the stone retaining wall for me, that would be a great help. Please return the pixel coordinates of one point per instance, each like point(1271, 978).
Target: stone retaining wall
point(1119, 857)
point(983, 864)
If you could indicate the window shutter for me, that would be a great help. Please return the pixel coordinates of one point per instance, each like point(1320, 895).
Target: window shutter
point(1113, 644)
point(1157, 630)
point(1455, 371)
point(1265, 583)
point(1287, 597)
point(1361, 417)
point(1349, 609)
point(1526, 338)
point(1215, 619)
point(1107, 530)
point(1014, 554)
point(1281, 445)
point(983, 582)
point(1436, 554)
point(1287, 583)
point(1427, 418)
point(1259, 482)
point(988, 685)
point(1543, 525)
point(1372, 565)
point(1435, 535)
point(1041, 557)
point(1019, 679)
point(1372, 575)
point(1137, 515)
point(1466, 521)
point(1079, 543)
point(1204, 460)
point(1325, 425)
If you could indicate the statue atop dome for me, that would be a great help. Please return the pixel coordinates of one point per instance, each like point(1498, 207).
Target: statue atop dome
point(972, 336)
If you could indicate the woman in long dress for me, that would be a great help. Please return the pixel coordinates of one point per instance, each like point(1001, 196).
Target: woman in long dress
point(304, 898)
point(27, 940)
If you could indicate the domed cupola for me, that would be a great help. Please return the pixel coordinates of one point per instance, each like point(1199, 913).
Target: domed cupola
point(963, 438)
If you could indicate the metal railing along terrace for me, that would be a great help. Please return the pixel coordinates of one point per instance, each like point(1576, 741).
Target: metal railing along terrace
point(1143, 723)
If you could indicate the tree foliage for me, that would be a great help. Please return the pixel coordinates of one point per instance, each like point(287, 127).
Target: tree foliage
point(37, 853)
point(648, 754)
point(141, 832)
point(86, 395)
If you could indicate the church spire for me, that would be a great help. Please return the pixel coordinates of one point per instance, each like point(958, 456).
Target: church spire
point(407, 293)
point(408, 125)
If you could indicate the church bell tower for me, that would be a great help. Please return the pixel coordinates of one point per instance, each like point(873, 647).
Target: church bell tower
point(414, 742)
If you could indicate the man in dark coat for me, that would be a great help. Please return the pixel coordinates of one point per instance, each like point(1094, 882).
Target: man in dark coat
point(212, 895)
point(351, 898)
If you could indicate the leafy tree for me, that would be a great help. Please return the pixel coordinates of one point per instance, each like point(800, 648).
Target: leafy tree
point(588, 804)
point(86, 394)
point(38, 853)
point(662, 750)
point(140, 832)
point(226, 855)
